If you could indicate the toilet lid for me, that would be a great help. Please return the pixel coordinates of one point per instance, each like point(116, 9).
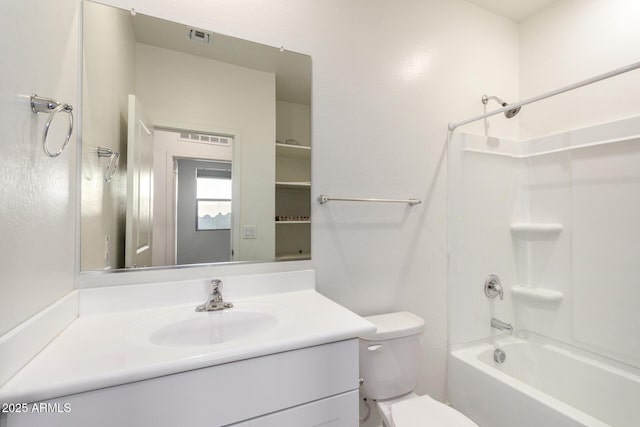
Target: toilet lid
point(424, 411)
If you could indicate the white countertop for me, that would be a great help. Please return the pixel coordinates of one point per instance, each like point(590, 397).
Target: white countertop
point(104, 348)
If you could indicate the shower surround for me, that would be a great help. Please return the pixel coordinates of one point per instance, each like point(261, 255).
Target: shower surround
point(556, 219)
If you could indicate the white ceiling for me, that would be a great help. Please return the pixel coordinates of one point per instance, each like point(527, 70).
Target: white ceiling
point(516, 10)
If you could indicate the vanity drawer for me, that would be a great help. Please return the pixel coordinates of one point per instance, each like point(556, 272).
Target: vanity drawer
point(336, 411)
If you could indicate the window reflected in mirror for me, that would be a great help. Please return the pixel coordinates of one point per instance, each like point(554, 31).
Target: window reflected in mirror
point(213, 199)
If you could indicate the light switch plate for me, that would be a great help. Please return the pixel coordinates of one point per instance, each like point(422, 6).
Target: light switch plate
point(249, 232)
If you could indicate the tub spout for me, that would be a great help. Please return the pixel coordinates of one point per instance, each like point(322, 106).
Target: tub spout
point(499, 324)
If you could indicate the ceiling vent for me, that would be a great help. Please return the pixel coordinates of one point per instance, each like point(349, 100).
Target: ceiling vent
point(199, 36)
point(205, 138)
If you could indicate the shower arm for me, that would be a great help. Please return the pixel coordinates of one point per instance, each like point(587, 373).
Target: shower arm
point(617, 71)
point(485, 100)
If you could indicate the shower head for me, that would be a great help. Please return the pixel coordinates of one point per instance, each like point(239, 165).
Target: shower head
point(509, 113)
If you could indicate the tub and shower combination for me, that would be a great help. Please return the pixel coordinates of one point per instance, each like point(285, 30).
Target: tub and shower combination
point(559, 214)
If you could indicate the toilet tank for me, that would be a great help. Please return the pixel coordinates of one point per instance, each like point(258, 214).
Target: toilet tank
point(389, 357)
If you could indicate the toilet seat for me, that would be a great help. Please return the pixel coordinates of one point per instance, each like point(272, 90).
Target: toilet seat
point(421, 411)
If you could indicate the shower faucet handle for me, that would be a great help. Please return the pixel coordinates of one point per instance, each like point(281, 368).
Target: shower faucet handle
point(492, 287)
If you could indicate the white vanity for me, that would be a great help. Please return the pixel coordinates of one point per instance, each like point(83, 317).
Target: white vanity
point(284, 355)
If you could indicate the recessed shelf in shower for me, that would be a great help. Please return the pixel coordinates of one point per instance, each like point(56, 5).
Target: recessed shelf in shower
point(536, 294)
point(535, 229)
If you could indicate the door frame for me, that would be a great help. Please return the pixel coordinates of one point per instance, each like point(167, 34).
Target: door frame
point(188, 152)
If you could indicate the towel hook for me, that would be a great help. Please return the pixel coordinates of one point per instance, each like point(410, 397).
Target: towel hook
point(114, 157)
point(40, 104)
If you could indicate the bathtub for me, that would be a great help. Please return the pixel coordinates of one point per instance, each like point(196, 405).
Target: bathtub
point(542, 384)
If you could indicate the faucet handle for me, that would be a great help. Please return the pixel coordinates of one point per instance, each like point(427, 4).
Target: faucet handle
point(215, 301)
point(215, 286)
point(492, 287)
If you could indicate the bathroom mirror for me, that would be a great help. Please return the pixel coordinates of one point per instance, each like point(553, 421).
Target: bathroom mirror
point(196, 146)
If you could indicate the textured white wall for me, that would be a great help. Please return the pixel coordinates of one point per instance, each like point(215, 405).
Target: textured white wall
point(38, 194)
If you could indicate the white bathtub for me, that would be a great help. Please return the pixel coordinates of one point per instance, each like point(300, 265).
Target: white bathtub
point(542, 384)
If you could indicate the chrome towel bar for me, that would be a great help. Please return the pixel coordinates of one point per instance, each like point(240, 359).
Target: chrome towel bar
point(322, 199)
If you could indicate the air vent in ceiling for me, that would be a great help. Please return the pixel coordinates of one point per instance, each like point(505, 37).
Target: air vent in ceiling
point(199, 36)
point(205, 138)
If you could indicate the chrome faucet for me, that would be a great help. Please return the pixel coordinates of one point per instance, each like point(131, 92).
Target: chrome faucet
point(215, 301)
point(503, 326)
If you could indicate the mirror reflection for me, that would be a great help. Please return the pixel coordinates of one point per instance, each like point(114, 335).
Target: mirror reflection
point(211, 138)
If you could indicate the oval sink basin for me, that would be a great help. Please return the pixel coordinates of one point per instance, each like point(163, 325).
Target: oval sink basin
point(184, 327)
point(213, 328)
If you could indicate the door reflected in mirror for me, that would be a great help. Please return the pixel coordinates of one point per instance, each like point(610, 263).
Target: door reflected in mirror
point(214, 139)
point(204, 211)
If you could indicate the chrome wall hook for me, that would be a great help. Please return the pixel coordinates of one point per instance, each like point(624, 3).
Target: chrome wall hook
point(41, 104)
point(114, 158)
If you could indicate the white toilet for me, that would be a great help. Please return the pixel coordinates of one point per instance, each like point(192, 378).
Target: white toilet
point(389, 360)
